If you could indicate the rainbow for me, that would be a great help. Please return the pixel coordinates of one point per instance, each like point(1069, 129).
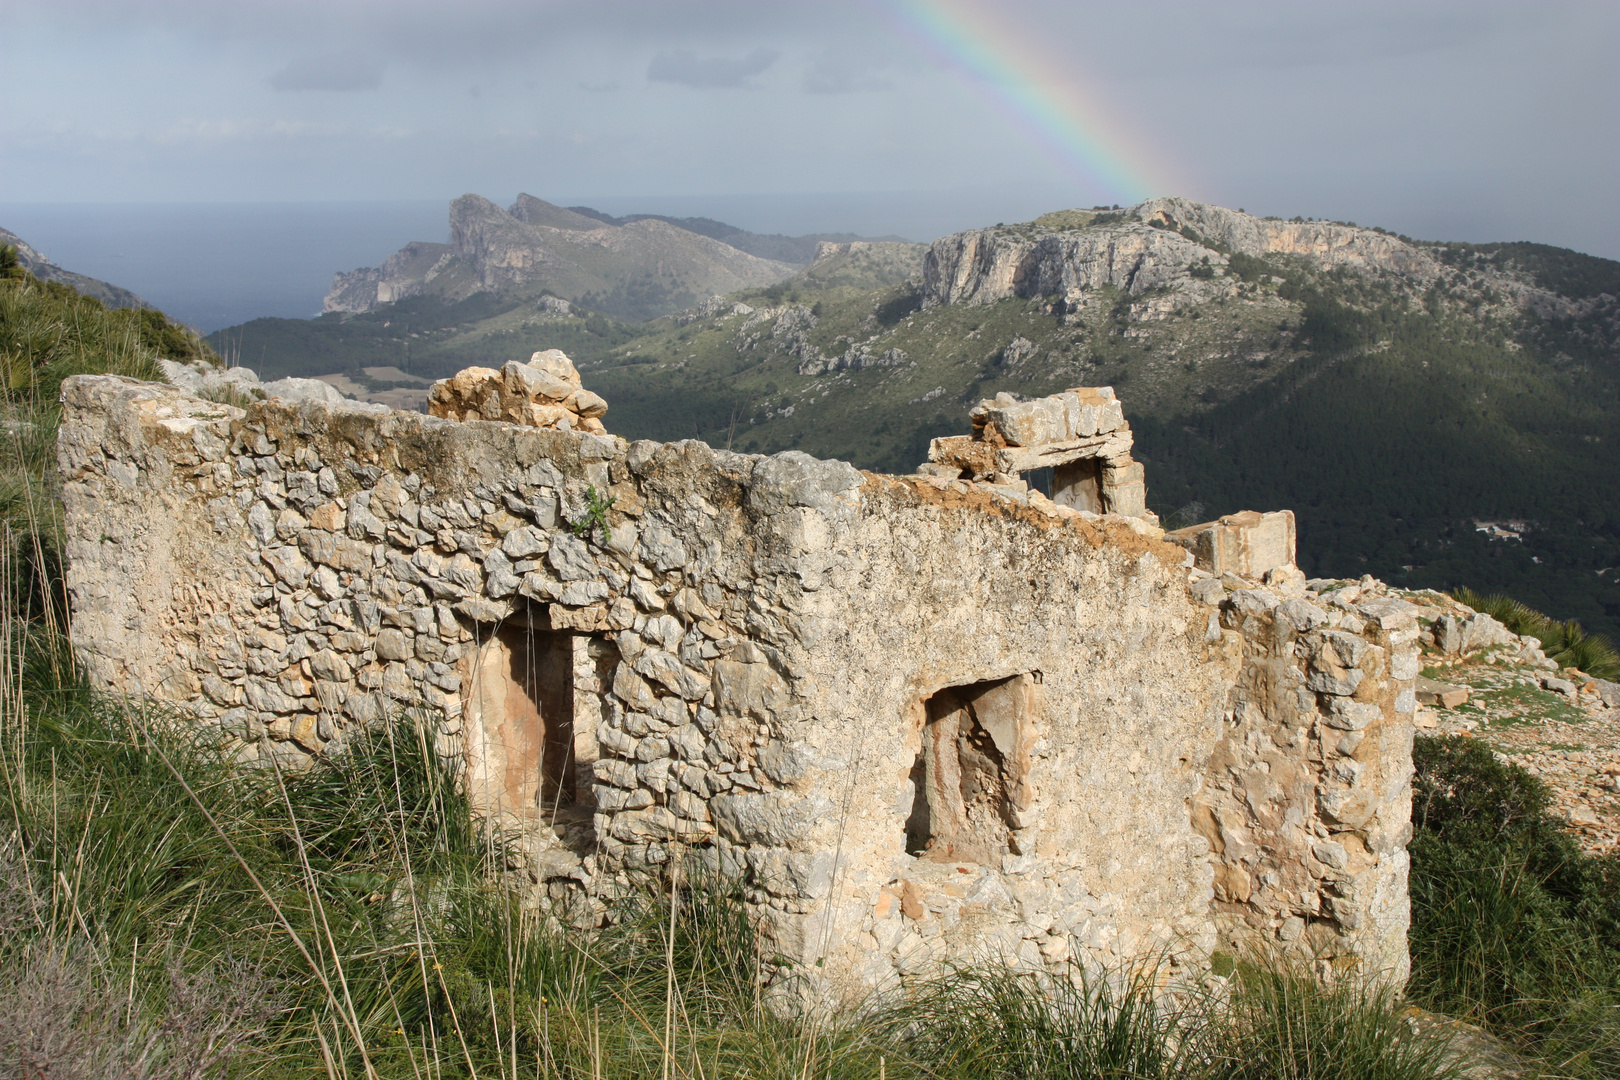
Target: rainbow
point(1049, 103)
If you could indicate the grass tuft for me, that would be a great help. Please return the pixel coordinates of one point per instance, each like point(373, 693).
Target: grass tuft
point(1513, 928)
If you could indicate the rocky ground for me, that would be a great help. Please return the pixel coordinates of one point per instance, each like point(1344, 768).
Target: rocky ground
point(1559, 724)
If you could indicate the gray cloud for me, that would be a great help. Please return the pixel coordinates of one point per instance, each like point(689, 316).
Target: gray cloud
point(335, 72)
point(1470, 119)
point(837, 75)
point(709, 72)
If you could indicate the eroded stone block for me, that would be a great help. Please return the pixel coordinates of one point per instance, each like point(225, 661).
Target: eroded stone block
point(1247, 544)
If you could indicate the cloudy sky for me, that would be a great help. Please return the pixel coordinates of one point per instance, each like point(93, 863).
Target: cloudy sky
point(1468, 120)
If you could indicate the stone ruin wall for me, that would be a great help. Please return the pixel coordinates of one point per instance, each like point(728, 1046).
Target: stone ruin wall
point(1095, 749)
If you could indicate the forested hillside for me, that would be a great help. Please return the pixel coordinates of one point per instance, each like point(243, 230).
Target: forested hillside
point(1391, 392)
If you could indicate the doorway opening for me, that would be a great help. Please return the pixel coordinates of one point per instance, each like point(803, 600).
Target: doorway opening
point(532, 704)
point(1078, 485)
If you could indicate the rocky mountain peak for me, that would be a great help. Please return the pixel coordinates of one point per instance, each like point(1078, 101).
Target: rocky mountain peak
point(641, 269)
point(533, 211)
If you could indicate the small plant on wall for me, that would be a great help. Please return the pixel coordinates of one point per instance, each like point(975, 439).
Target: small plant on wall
point(595, 516)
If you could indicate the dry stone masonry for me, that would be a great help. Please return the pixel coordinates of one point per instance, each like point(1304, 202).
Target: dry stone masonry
point(919, 718)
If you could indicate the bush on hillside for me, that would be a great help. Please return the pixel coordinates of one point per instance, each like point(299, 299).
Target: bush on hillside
point(48, 332)
point(1512, 926)
point(1568, 643)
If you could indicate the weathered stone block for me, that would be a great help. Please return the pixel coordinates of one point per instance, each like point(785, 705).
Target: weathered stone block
point(1247, 544)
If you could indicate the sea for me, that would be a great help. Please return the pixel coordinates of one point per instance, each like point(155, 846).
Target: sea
point(214, 264)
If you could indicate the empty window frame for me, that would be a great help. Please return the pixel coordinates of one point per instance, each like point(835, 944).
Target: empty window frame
point(970, 778)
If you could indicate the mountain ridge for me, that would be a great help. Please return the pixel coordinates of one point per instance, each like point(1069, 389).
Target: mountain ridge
point(635, 267)
point(1158, 243)
point(799, 250)
point(113, 296)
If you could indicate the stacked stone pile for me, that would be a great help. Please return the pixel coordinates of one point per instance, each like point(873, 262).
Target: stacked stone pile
point(543, 393)
point(1081, 434)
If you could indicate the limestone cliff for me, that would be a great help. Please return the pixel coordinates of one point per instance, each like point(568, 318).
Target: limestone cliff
point(1177, 245)
point(639, 269)
point(985, 265)
point(407, 272)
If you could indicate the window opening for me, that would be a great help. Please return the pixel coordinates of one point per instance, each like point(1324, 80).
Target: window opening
point(1078, 484)
point(533, 706)
point(969, 779)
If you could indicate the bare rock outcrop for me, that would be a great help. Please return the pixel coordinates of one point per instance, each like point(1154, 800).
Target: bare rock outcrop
point(225, 384)
point(407, 272)
point(543, 393)
point(1177, 245)
point(986, 265)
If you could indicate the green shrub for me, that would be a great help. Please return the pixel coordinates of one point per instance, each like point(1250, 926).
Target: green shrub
point(1512, 926)
point(1565, 642)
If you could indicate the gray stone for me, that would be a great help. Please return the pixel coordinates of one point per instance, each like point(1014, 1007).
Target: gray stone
point(524, 543)
point(392, 644)
point(1208, 591)
point(617, 773)
point(1330, 681)
point(329, 665)
point(1351, 715)
point(570, 558)
point(288, 565)
point(793, 478)
point(629, 688)
point(1302, 615)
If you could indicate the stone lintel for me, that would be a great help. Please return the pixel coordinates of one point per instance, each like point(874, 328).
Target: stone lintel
point(982, 458)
